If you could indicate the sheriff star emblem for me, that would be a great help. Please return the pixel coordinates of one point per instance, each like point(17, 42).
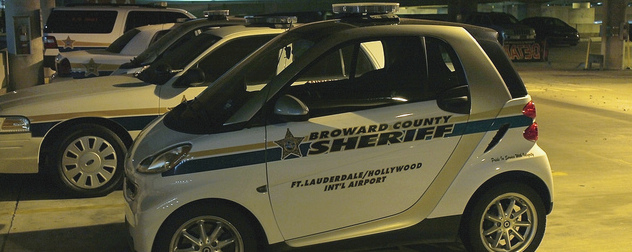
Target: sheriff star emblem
point(69, 43)
point(92, 68)
point(290, 145)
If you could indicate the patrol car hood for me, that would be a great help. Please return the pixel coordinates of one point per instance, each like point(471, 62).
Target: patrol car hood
point(100, 56)
point(71, 95)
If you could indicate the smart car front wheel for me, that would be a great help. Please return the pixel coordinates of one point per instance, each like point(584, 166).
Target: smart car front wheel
point(204, 228)
point(508, 217)
point(89, 160)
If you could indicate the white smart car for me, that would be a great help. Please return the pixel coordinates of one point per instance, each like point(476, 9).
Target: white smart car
point(309, 143)
point(78, 131)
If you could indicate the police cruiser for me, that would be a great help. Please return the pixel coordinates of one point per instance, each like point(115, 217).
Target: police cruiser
point(365, 131)
point(78, 131)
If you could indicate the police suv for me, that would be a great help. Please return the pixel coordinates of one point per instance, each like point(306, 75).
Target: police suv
point(364, 131)
point(78, 131)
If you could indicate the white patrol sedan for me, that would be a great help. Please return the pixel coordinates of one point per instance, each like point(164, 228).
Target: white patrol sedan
point(102, 62)
point(78, 131)
point(435, 142)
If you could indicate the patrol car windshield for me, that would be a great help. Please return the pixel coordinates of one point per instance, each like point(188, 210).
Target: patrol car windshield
point(165, 46)
point(173, 61)
point(248, 84)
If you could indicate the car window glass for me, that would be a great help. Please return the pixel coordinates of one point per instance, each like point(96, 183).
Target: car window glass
point(363, 75)
point(158, 35)
point(444, 68)
point(226, 56)
point(142, 18)
point(184, 54)
point(120, 42)
point(70, 21)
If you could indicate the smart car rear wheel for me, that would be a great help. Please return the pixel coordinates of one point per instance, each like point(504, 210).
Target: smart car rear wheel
point(508, 217)
point(206, 229)
point(89, 160)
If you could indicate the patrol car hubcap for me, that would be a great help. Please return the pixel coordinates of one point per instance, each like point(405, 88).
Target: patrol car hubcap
point(207, 234)
point(509, 223)
point(89, 162)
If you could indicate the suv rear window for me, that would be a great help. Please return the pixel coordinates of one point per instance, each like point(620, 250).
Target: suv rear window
point(84, 21)
point(142, 18)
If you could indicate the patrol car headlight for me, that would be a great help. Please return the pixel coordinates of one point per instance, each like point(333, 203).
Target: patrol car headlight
point(14, 124)
point(165, 160)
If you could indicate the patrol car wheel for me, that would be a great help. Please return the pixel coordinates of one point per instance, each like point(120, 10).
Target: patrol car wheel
point(89, 160)
point(202, 228)
point(508, 217)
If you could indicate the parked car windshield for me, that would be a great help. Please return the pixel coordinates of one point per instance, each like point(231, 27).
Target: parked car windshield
point(120, 42)
point(503, 19)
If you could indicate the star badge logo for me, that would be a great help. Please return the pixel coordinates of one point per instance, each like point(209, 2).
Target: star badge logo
point(290, 145)
point(69, 43)
point(92, 68)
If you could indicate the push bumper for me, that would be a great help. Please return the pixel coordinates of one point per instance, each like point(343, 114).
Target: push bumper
point(19, 153)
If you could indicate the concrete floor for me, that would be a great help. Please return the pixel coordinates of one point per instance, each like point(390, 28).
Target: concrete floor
point(35, 218)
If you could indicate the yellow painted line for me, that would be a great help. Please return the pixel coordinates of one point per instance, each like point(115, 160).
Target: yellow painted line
point(66, 209)
point(558, 174)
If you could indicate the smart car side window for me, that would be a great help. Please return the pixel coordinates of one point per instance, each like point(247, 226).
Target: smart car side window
point(446, 77)
point(363, 75)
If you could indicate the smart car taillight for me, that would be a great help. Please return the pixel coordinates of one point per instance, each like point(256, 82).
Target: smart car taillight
point(50, 42)
point(531, 133)
point(529, 110)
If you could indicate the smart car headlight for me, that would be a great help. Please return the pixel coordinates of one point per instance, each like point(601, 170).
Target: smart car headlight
point(14, 124)
point(165, 160)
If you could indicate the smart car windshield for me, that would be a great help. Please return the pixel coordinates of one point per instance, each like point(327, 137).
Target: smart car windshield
point(248, 84)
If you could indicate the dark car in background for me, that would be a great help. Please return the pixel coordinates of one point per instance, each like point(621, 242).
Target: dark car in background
point(552, 30)
point(507, 26)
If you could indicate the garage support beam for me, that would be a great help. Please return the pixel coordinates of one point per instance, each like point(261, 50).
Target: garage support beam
point(612, 43)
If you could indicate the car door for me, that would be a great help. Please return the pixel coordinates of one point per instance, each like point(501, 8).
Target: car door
point(379, 130)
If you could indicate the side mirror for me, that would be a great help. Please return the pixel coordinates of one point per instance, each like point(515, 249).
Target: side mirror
point(157, 74)
point(455, 100)
point(290, 108)
point(192, 78)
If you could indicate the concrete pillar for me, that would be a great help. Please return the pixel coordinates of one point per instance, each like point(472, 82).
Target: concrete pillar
point(24, 43)
point(612, 45)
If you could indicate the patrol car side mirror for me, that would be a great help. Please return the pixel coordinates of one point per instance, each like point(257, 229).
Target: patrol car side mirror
point(192, 78)
point(156, 74)
point(290, 108)
point(455, 100)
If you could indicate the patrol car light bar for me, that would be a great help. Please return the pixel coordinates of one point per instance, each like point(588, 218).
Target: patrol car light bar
point(14, 124)
point(277, 21)
point(365, 8)
point(216, 14)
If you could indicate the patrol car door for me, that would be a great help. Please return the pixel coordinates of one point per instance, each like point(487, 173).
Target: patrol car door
point(376, 137)
point(206, 70)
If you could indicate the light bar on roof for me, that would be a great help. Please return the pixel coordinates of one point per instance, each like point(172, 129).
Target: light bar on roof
point(365, 8)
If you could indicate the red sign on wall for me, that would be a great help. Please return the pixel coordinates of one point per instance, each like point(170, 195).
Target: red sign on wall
point(525, 51)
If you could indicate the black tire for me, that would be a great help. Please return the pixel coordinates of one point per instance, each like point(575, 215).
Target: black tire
point(88, 160)
point(235, 232)
point(504, 230)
